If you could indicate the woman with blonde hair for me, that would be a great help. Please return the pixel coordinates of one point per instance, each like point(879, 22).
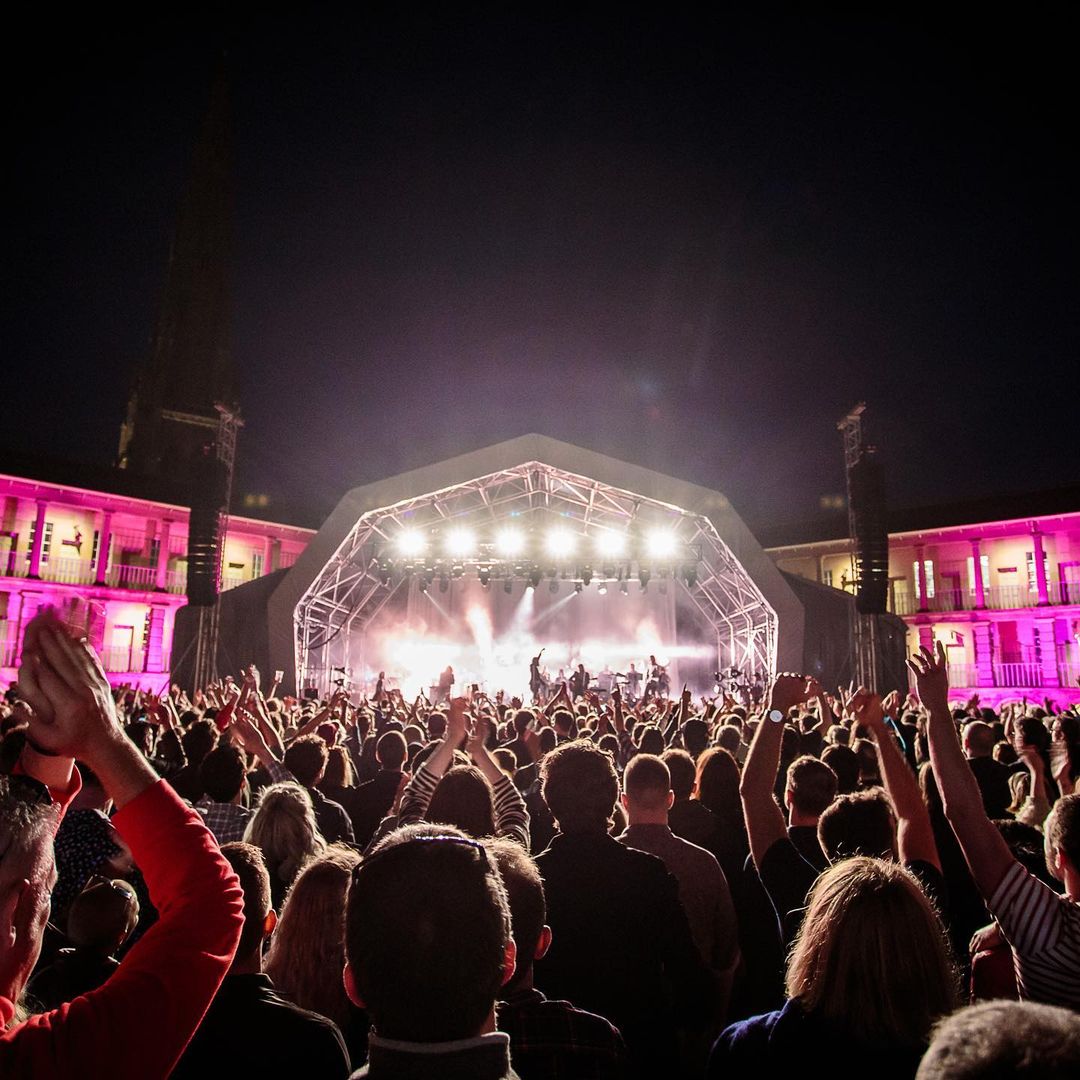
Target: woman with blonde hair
point(283, 826)
point(307, 952)
point(868, 976)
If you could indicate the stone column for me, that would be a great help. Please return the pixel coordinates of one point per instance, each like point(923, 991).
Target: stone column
point(980, 585)
point(39, 540)
point(920, 578)
point(274, 562)
point(984, 652)
point(161, 578)
point(1040, 566)
point(101, 571)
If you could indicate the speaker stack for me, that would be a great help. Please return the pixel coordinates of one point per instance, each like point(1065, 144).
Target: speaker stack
point(871, 534)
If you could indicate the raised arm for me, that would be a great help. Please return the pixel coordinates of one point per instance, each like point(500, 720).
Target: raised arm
point(764, 819)
point(417, 795)
point(987, 855)
point(914, 833)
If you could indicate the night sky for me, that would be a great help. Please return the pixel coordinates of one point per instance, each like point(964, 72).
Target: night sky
point(692, 242)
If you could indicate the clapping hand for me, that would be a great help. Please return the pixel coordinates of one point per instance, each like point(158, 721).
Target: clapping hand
point(931, 677)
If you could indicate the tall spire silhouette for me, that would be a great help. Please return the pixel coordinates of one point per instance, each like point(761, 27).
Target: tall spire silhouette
point(171, 415)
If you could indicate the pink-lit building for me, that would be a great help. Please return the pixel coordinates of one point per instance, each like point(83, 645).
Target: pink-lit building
point(997, 582)
point(126, 556)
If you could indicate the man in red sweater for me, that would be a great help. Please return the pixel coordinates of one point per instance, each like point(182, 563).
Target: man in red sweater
point(137, 1023)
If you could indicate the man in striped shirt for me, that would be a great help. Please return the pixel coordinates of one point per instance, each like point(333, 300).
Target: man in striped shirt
point(1041, 926)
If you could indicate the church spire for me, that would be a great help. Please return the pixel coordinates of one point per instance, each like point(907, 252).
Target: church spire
point(171, 414)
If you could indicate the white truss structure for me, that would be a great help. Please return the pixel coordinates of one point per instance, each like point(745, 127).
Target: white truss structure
point(348, 593)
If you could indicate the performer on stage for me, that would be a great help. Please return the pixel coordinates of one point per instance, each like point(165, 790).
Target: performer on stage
point(658, 679)
point(579, 683)
point(446, 683)
point(537, 682)
point(633, 685)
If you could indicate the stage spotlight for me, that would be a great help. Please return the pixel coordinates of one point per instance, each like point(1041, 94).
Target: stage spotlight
point(422, 585)
point(662, 543)
point(560, 542)
point(577, 586)
point(384, 576)
point(691, 576)
point(610, 544)
point(510, 542)
point(508, 585)
point(485, 576)
point(554, 587)
point(460, 541)
point(586, 575)
point(624, 590)
point(534, 579)
point(411, 543)
point(444, 583)
point(643, 577)
point(602, 589)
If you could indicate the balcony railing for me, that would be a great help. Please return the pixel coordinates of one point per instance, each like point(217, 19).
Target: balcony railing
point(68, 571)
point(998, 598)
point(176, 581)
point(120, 659)
point(230, 581)
point(131, 577)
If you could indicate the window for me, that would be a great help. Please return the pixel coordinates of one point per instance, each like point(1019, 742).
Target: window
point(984, 563)
point(827, 577)
point(1033, 581)
point(256, 564)
point(928, 569)
point(46, 542)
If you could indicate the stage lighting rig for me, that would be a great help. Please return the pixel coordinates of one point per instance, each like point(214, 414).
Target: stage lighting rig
point(561, 542)
point(510, 542)
point(410, 543)
point(460, 542)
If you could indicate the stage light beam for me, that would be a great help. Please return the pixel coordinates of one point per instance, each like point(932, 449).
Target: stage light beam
point(662, 543)
point(510, 542)
point(560, 542)
point(411, 542)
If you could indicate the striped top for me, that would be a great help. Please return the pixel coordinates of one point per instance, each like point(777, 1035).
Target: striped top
point(511, 817)
point(1043, 928)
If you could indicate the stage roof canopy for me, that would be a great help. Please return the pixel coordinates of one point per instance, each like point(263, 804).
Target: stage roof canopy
point(336, 585)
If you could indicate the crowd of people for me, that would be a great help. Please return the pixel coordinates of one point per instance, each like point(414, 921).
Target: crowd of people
point(242, 882)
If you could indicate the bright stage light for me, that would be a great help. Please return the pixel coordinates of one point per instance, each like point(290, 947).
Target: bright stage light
point(411, 542)
point(602, 590)
point(662, 543)
point(510, 542)
point(560, 542)
point(460, 542)
point(610, 544)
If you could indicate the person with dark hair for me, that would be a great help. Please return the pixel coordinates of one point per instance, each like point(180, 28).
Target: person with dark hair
point(621, 943)
point(1004, 1039)
point(198, 740)
point(547, 1038)
point(99, 921)
point(844, 762)
point(703, 889)
point(1042, 926)
point(861, 823)
point(428, 946)
point(991, 776)
point(375, 798)
point(808, 793)
point(689, 818)
point(139, 1021)
point(279, 1038)
point(222, 775)
point(306, 759)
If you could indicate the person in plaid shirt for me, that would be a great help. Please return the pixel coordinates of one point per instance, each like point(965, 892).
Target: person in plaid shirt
point(222, 776)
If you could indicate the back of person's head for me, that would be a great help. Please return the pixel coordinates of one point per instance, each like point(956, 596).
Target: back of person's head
point(580, 786)
point(339, 770)
point(650, 739)
point(463, 798)
point(996, 1040)
point(682, 770)
point(647, 783)
point(866, 754)
point(102, 915)
point(250, 867)
point(730, 738)
point(978, 739)
point(522, 719)
point(284, 828)
point(306, 759)
point(141, 733)
point(812, 785)
point(199, 740)
point(609, 744)
point(222, 773)
point(564, 722)
point(861, 823)
point(695, 736)
point(717, 784)
point(1062, 832)
point(548, 740)
point(391, 750)
point(307, 952)
point(525, 894)
point(427, 935)
point(845, 764)
point(871, 955)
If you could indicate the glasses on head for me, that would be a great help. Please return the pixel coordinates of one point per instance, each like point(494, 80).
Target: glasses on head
point(412, 841)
